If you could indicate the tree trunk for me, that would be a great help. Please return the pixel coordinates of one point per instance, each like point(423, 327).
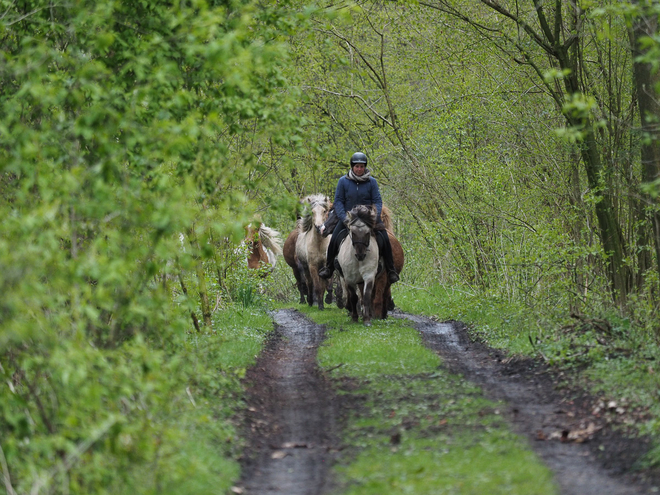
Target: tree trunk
point(646, 81)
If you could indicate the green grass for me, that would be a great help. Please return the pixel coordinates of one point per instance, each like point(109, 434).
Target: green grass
point(499, 323)
point(418, 429)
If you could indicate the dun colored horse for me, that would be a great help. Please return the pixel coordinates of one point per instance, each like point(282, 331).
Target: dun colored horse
point(358, 260)
point(264, 246)
point(311, 246)
point(381, 295)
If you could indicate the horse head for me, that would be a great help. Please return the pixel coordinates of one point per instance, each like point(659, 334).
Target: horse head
point(316, 211)
point(361, 222)
point(330, 224)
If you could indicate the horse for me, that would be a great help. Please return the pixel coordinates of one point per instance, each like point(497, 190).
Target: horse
point(289, 253)
point(264, 247)
point(312, 247)
point(381, 298)
point(358, 260)
point(382, 295)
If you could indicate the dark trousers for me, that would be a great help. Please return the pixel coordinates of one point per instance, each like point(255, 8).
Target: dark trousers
point(340, 233)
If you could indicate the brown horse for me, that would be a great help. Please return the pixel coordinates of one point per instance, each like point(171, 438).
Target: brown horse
point(264, 246)
point(381, 298)
point(312, 247)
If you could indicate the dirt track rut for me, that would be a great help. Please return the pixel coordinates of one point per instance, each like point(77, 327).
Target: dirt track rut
point(532, 409)
point(291, 413)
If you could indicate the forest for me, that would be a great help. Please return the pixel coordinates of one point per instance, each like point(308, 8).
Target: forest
point(515, 141)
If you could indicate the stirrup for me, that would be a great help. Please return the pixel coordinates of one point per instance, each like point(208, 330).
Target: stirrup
point(393, 277)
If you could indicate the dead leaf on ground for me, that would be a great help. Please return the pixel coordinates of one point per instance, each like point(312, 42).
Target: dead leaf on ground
point(295, 445)
point(279, 454)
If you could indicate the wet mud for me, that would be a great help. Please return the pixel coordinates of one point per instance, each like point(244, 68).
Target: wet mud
point(291, 409)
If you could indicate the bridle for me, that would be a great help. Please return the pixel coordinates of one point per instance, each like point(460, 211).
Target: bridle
point(354, 242)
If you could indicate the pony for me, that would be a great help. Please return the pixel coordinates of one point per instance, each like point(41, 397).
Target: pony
point(264, 247)
point(363, 284)
point(312, 247)
point(382, 295)
point(358, 260)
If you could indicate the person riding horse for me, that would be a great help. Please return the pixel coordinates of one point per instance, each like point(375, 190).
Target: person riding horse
point(355, 188)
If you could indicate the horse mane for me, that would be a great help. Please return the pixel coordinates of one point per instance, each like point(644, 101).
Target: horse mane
point(271, 239)
point(366, 214)
point(306, 222)
point(314, 199)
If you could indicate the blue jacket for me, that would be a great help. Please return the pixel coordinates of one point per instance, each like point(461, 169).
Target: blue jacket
point(350, 193)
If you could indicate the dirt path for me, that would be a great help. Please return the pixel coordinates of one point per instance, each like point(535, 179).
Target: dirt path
point(562, 433)
point(293, 415)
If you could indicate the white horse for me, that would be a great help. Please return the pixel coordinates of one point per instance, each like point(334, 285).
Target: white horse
point(358, 260)
point(312, 247)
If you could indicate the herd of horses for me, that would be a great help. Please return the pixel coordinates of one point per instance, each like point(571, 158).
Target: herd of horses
point(360, 281)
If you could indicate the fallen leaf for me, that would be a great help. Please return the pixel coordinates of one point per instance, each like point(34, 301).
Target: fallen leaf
point(280, 454)
point(294, 445)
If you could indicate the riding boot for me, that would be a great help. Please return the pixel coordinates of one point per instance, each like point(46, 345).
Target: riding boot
point(333, 249)
point(329, 267)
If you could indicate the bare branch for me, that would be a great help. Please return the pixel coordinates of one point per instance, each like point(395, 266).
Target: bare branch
point(526, 27)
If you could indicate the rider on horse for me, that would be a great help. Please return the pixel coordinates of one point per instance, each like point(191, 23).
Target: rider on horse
point(357, 187)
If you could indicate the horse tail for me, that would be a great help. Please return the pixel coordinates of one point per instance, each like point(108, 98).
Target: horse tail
point(271, 239)
point(386, 217)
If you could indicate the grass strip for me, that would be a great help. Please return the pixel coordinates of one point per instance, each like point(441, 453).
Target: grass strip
point(413, 427)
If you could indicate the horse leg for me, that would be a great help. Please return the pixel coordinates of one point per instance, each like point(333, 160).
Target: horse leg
point(366, 302)
point(319, 285)
point(310, 285)
point(300, 283)
point(339, 292)
point(388, 303)
point(353, 303)
point(378, 296)
point(328, 296)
